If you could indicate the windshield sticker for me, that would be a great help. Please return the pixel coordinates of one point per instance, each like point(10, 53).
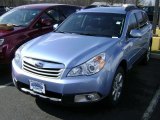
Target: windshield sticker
point(114, 37)
point(118, 22)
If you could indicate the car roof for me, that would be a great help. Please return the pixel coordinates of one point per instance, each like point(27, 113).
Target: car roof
point(41, 6)
point(118, 10)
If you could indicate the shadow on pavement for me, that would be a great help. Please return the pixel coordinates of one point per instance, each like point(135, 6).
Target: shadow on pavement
point(73, 112)
point(141, 84)
point(5, 74)
point(5, 69)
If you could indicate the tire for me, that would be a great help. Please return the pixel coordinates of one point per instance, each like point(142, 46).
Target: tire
point(147, 55)
point(117, 88)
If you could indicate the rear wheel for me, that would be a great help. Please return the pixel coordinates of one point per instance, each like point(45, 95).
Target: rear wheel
point(117, 86)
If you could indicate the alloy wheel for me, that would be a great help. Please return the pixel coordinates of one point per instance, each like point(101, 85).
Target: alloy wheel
point(117, 86)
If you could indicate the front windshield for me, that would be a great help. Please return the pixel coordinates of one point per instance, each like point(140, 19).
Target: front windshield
point(95, 24)
point(19, 17)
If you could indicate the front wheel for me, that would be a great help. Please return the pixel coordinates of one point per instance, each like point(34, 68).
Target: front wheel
point(117, 86)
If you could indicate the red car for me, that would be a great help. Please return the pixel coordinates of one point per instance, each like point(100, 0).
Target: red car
point(24, 23)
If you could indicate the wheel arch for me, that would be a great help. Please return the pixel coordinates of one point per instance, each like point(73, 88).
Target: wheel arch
point(124, 65)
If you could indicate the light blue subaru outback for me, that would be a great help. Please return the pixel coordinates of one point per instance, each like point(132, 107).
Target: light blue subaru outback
point(86, 59)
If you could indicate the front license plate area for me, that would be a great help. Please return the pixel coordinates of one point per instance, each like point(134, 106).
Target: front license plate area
point(37, 86)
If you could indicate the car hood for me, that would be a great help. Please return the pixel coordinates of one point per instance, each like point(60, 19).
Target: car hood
point(4, 32)
point(69, 49)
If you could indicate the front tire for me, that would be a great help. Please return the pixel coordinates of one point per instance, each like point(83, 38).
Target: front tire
point(117, 87)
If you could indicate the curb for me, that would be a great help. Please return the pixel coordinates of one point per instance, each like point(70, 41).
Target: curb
point(155, 56)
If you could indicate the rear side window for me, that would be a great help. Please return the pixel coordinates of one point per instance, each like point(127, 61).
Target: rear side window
point(149, 9)
point(145, 17)
point(142, 19)
point(68, 10)
point(139, 18)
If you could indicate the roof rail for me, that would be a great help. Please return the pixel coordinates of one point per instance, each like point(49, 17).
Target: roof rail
point(94, 6)
point(128, 7)
point(131, 8)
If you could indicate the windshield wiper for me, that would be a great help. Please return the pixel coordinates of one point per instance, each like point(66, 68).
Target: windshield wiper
point(88, 34)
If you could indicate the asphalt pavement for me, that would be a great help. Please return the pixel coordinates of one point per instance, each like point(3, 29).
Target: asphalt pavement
point(141, 86)
point(156, 114)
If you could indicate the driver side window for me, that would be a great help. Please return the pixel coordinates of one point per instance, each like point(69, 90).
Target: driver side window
point(132, 23)
point(56, 15)
point(39, 24)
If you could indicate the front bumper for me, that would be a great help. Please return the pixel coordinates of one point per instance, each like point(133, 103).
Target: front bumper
point(64, 90)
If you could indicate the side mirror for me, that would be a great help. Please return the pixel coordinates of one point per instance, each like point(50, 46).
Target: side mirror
point(55, 26)
point(136, 33)
point(47, 22)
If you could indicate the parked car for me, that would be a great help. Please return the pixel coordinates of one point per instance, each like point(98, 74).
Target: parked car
point(149, 10)
point(24, 23)
point(94, 6)
point(2, 10)
point(87, 58)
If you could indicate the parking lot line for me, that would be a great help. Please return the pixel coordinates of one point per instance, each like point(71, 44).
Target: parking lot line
point(8, 84)
point(148, 113)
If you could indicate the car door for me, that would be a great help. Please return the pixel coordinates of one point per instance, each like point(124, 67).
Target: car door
point(132, 44)
point(145, 29)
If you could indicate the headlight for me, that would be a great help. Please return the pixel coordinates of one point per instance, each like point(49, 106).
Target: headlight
point(17, 56)
point(18, 53)
point(90, 67)
point(1, 41)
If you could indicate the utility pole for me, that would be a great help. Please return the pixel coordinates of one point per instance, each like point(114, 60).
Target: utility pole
point(155, 16)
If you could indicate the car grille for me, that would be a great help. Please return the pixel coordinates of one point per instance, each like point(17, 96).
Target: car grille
point(43, 72)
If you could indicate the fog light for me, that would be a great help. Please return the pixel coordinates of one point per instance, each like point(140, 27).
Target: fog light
point(87, 97)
